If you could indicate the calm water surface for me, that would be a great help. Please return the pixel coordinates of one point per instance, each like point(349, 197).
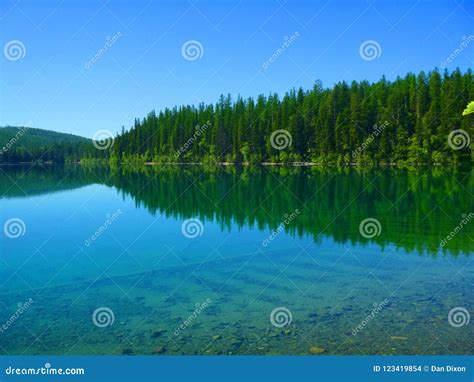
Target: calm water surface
point(109, 263)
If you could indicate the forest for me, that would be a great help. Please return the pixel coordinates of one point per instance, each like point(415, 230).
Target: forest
point(414, 120)
point(29, 145)
point(405, 121)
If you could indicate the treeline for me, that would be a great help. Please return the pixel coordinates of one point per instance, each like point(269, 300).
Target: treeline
point(26, 144)
point(406, 121)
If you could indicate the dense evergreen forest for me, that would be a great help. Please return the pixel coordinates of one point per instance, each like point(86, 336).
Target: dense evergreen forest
point(25, 144)
point(406, 121)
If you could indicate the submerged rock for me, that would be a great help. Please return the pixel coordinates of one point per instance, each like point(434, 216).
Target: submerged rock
point(158, 333)
point(316, 350)
point(399, 338)
point(159, 350)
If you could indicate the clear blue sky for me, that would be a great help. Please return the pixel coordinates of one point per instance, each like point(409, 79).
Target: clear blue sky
point(56, 86)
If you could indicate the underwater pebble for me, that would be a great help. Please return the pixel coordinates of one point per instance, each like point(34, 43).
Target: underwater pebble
point(316, 350)
point(159, 350)
point(399, 338)
point(158, 333)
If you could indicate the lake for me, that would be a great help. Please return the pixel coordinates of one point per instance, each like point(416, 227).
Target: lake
point(272, 260)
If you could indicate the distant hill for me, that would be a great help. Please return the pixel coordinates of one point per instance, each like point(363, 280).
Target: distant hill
point(25, 144)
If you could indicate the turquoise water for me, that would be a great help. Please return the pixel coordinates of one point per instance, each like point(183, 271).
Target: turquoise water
point(102, 265)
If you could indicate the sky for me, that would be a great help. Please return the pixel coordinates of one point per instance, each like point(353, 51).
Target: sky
point(82, 66)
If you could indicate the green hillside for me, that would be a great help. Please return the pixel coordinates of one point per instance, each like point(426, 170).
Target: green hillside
point(24, 144)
